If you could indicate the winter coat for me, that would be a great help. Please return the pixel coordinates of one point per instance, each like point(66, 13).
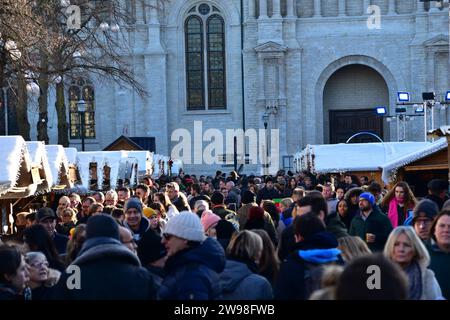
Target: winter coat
point(8, 294)
point(335, 225)
point(439, 263)
point(108, 271)
point(430, 286)
point(60, 242)
point(436, 199)
point(300, 274)
point(180, 204)
point(263, 225)
point(239, 282)
point(143, 227)
point(376, 223)
point(193, 274)
point(266, 194)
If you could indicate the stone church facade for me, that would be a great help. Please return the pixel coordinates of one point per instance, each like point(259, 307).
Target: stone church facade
point(311, 68)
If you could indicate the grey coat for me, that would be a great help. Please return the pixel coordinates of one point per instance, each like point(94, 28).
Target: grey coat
point(240, 283)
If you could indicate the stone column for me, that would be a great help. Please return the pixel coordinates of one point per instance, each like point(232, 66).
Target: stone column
point(261, 77)
point(262, 9)
point(420, 6)
point(140, 4)
point(317, 8)
point(281, 79)
point(290, 8)
point(366, 5)
point(341, 8)
point(391, 9)
point(251, 9)
point(276, 9)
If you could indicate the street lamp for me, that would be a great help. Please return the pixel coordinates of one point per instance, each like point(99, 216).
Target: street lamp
point(81, 113)
point(265, 119)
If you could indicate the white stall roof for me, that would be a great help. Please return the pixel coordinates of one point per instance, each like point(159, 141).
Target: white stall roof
point(71, 154)
point(356, 156)
point(14, 153)
point(390, 167)
point(57, 160)
point(38, 156)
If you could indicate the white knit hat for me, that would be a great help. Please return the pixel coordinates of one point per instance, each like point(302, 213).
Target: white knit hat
point(186, 225)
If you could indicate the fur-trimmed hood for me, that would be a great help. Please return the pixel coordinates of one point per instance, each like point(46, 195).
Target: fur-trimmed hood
point(99, 248)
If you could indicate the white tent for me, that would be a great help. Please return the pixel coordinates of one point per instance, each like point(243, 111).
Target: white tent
point(344, 157)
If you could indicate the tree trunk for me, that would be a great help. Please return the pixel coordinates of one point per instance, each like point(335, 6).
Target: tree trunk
point(43, 101)
point(21, 108)
point(63, 127)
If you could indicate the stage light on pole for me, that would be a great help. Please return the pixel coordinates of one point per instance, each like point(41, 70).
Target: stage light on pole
point(381, 111)
point(403, 96)
point(418, 108)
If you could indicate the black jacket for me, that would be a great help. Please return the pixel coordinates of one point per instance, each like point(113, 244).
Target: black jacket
point(193, 274)
point(300, 273)
point(60, 242)
point(108, 271)
point(263, 225)
point(437, 200)
point(180, 204)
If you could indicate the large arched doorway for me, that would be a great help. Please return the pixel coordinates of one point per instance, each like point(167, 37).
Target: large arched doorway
point(349, 100)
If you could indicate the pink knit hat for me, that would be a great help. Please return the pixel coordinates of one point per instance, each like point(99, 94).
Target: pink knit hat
point(209, 219)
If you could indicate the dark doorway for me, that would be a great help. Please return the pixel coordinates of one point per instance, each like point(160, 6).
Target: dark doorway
point(345, 123)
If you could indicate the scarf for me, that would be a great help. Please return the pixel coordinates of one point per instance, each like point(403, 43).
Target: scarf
point(392, 212)
point(415, 281)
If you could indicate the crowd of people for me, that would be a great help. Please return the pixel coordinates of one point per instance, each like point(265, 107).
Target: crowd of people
point(289, 236)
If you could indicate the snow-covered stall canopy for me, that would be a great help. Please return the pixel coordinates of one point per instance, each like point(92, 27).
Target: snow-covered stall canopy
point(429, 148)
point(71, 155)
point(59, 166)
point(105, 169)
point(40, 165)
point(177, 165)
point(145, 161)
point(353, 157)
point(16, 180)
point(161, 165)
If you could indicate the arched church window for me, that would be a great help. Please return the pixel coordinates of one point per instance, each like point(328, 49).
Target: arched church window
point(81, 92)
point(205, 58)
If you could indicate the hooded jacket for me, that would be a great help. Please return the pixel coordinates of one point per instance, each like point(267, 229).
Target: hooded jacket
point(108, 271)
point(240, 283)
point(143, 227)
point(300, 273)
point(193, 274)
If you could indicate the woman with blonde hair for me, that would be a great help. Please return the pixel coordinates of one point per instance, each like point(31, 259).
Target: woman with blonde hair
point(77, 238)
point(239, 279)
point(406, 249)
point(352, 247)
point(398, 202)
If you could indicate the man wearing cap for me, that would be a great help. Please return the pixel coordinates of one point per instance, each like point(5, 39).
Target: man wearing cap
point(47, 217)
point(370, 224)
point(268, 192)
point(108, 269)
point(423, 217)
point(194, 261)
point(134, 219)
point(437, 192)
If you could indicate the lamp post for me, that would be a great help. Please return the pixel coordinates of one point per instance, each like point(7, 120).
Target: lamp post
point(81, 113)
point(265, 119)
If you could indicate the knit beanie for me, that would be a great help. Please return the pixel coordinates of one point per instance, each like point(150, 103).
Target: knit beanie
point(102, 225)
point(150, 248)
point(255, 213)
point(368, 196)
point(426, 206)
point(148, 212)
point(185, 225)
point(248, 197)
point(133, 203)
point(209, 219)
point(217, 198)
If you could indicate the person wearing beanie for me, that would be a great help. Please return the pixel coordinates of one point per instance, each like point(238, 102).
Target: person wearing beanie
point(268, 192)
point(256, 220)
point(314, 249)
point(209, 221)
point(370, 224)
point(152, 254)
point(217, 228)
point(194, 261)
point(438, 192)
point(423, 217)
point(219, 208)
point(248, 201)
point(134, 219)
point(108, 269)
